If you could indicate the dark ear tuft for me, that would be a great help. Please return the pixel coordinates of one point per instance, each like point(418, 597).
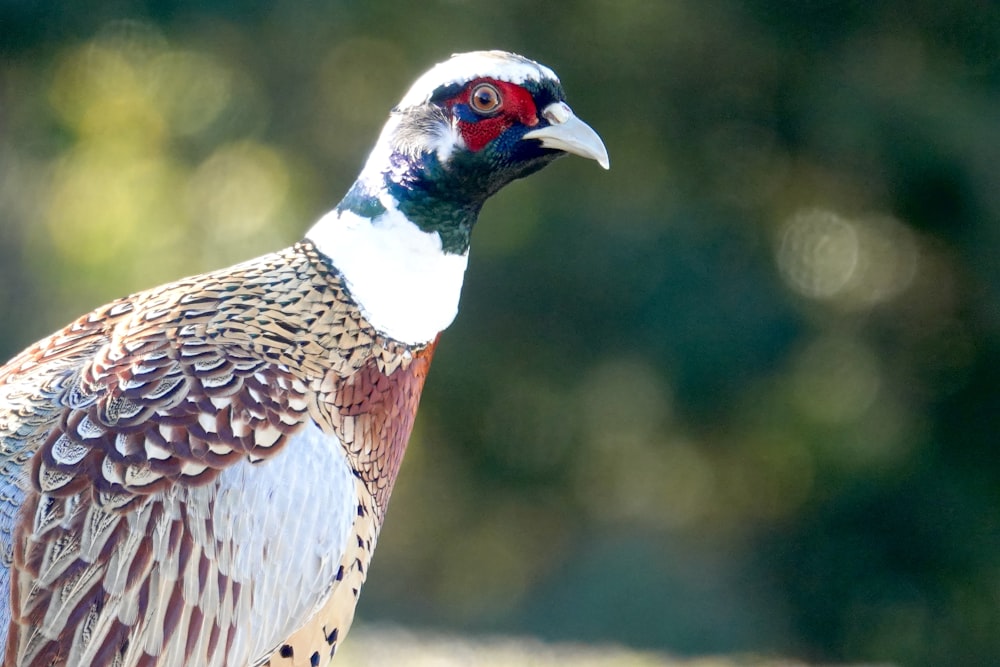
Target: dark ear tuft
point(447, 92)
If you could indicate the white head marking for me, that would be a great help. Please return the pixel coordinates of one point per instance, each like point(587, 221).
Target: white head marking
point(462, 67)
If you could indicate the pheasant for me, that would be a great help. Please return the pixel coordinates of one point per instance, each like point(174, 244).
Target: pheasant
point(197, 474)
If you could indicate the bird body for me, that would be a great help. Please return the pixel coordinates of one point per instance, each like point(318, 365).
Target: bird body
point(197, 473)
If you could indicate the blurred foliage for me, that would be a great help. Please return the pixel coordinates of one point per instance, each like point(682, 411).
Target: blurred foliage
point(739, 394)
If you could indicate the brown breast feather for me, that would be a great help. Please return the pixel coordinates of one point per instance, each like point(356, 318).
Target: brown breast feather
point(157, 393)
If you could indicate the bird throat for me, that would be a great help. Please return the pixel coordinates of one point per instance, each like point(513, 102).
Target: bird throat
point(403, 264)
point(431, 196)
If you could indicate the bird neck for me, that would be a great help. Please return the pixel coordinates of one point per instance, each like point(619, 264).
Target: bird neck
point(415, 168)
point(398, 252)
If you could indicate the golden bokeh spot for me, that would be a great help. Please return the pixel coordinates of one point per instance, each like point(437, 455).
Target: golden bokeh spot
point(102, 96)
point(103, 202)
point(854, 263)
point(190, 88)
point(126, 96)
point(237, 192)
point(818, 253)
point(126, 85)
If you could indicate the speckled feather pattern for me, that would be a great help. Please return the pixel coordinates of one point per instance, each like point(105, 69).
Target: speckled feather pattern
point(118, 435)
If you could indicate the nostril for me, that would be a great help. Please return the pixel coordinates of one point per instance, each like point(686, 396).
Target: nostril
point(557, 113)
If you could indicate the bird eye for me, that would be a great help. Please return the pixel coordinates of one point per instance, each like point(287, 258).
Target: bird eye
point(485, 98)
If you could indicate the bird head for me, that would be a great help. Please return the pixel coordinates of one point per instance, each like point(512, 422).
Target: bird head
point(466, 128)
point(469, 126)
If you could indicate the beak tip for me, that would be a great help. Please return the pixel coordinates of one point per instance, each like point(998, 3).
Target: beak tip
point(572, 135)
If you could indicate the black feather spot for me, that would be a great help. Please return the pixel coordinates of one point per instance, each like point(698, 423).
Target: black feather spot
point(286, 651)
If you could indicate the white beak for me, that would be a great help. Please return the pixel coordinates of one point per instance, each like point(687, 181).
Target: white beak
point(568, 133)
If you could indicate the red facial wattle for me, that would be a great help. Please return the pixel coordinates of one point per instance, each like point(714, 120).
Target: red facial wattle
point(516, 106)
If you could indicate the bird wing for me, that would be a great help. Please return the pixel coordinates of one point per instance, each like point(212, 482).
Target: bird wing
point(107, 430)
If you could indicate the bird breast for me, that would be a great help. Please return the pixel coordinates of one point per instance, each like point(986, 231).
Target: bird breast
point(281, 527)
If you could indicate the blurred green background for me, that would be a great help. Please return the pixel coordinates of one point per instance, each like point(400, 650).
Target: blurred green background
point(739, 394)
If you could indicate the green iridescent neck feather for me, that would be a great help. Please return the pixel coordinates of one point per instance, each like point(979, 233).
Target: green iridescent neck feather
point(425, 201)
point(444, 197)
